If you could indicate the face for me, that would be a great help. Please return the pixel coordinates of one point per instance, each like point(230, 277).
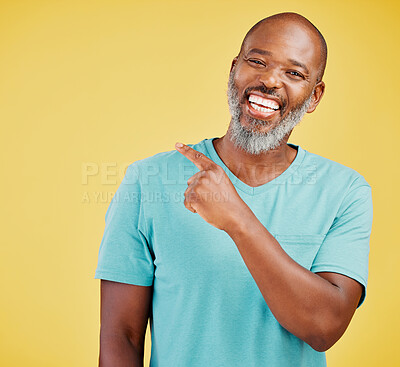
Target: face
point(249, 137)
point(273, 83)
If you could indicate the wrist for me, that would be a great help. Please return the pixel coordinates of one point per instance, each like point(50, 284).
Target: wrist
point(240, 221)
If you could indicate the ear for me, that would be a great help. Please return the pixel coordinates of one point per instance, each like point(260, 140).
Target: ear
point(234, 61)
point(319, 90)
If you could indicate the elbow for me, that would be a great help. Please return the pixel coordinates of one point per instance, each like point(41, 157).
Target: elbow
point(325, 336)
point(320, 344)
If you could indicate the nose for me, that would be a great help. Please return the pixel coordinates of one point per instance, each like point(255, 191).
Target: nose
point(271, 79)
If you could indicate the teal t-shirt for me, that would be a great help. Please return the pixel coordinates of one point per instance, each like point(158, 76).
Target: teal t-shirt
point(207, 310)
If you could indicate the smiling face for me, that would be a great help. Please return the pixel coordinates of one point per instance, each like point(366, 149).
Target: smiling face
point(249, 137)
point(276, 73)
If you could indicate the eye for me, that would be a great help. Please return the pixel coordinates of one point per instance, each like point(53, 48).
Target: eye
point(296, 74)
point(257, 62)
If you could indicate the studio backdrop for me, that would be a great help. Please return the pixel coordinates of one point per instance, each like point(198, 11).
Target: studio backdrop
point(88, 87)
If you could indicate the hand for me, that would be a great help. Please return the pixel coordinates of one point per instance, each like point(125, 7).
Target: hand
point(210, 192)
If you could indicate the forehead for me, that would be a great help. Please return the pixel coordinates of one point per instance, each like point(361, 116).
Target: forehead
point(287, 41)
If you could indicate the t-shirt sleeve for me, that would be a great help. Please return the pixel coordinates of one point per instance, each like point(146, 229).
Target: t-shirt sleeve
point(124, 254)
point(345, 249)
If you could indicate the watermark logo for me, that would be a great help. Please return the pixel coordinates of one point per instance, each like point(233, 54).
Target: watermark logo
point(170, 180)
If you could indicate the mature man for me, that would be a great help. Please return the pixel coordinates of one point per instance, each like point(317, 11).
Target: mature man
point(243, 250)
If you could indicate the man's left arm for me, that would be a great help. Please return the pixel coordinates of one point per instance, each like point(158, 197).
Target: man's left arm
point(315, 307)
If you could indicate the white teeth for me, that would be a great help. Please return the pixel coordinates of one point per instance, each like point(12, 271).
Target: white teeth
point(262, 109)
point(264, 102)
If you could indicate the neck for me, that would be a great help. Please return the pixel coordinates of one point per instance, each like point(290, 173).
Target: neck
point(255, 169)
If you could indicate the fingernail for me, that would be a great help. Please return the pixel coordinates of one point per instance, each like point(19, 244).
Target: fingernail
point(179, 145)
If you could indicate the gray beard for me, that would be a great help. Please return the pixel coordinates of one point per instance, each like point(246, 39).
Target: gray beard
point(253, 141)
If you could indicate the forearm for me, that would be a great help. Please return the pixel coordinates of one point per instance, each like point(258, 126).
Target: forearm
point(116, 350)
point(303, 303)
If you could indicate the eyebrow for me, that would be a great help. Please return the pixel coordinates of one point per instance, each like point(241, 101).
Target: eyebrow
point(299, 64)
point(269, 53)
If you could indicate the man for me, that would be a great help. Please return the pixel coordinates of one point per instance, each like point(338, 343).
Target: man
point(243, 250)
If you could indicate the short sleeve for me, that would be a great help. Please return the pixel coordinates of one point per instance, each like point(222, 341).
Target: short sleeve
point(345, 249)
point(124, 254)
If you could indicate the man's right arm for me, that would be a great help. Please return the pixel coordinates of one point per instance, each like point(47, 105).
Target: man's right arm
point(124, 313)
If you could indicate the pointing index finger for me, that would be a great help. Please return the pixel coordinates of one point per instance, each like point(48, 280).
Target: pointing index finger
point(199, 159)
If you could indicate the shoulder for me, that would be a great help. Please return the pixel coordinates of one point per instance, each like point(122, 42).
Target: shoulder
point(333, 173)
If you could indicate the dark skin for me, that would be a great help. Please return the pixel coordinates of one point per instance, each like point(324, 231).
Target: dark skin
point(125, 309)
point(285, 40)
point(317, 308)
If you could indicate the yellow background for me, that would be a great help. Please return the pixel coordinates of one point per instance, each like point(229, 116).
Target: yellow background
point(101, 84)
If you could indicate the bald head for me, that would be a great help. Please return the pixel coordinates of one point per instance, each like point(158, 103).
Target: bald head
point(293, 20)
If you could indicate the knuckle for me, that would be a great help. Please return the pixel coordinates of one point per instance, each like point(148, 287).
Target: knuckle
point(219, 169)
point(192, 181)
point(193, 197)
point(198, 155)
point(188, 206)
point(204, 180)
